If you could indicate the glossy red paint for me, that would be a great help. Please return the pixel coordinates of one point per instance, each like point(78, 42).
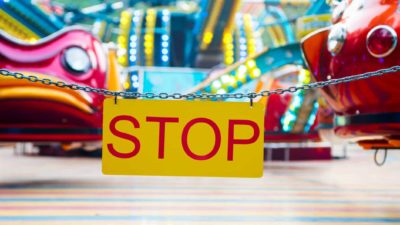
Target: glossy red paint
point(372, 96)
point(385, 129)
point(29, 114)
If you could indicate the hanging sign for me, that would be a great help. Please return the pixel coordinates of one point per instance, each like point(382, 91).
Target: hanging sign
point(183, 138)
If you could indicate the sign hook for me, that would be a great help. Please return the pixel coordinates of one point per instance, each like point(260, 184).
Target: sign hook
point(251, 97)
point(384, 157)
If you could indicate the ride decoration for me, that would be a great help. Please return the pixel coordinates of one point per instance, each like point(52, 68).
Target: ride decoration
point(252, 68)
point(257, 59)
point(69, 56)
point(301, 113)
point(357, 42)
point(27, 21)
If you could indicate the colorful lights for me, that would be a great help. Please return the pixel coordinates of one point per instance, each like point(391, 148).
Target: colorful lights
point(312, 117)
point(148, 44)
point(242, 69)
point(289, 119)
point(128, 45)
point(221, 91)
point(255, 73)
point(207, 38)
point(304, 77)
point(248, 28)
point(165, 38)
point(126, 85)
point(225, 78)
point(243, 73)
point(303, 105)
point(123, 38)
point(228, 48)
point(210, 25)
point(135, 80)
point(134, 48)
point(241, 36)
point(134, 39)
point(245, 36)
point(144, 40)
point(216, 84)
point(246, 42)
point(165, 16)
point(250, 64)
point(253, 70)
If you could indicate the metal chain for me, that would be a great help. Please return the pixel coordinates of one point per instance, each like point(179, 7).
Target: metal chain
point(124, 94)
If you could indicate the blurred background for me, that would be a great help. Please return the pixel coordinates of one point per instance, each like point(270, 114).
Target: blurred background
point(315, 171)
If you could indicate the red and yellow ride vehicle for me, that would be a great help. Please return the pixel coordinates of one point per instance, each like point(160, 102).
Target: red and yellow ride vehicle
point(363, 38)
point(32, 111)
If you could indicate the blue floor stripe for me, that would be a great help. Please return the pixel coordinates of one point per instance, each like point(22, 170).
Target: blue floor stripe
point(208, 218)
point(311, 201)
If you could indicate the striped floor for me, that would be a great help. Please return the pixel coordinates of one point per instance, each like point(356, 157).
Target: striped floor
point(38, 190)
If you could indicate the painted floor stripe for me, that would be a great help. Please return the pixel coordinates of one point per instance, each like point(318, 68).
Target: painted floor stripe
point(161, 187)
point(200, 208)
point(208, 218)
point(196, 200)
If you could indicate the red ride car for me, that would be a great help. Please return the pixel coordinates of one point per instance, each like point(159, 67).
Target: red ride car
point(32, 111)
point(363, 38)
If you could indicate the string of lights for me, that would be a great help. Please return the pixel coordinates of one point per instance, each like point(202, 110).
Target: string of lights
point(151, 15)
point(165, 37)
point(134, 41)
point(123, 38)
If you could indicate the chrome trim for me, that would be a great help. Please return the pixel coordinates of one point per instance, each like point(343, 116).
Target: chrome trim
point(68, 65)
point(394, 45)
point(338, 33)
point(338, 11)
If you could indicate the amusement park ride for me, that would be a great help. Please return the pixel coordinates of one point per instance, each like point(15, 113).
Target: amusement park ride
point(55, 114)
point(202, 46)
point(363, 38)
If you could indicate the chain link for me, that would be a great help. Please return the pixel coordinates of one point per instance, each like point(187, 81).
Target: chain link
point(105, 92)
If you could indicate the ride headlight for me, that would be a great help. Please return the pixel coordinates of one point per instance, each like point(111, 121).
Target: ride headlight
point(381, 41)
point(76, 60)
point(336, 39)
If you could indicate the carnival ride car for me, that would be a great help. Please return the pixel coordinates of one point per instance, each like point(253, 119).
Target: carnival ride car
point(363, 38)
point(33, 111)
